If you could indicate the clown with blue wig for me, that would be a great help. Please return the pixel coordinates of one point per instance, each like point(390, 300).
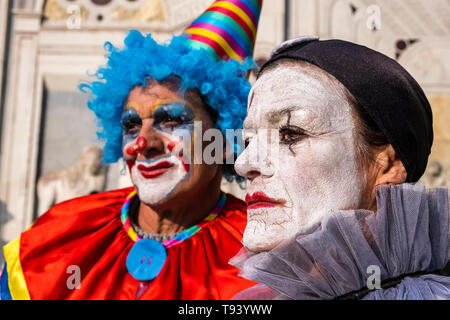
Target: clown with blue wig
point(171, 235)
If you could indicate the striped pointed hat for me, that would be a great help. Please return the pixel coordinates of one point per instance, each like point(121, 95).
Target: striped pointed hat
point(227, 29)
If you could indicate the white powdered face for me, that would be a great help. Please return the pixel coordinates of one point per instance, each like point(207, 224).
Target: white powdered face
point(315, 170)
point(154, 190)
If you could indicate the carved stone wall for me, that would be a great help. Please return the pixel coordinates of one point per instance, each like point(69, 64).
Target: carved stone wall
point(105, 12)
point(154, 15)
point(416, 33)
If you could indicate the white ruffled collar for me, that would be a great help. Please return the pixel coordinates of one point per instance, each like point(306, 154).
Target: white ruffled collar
point(409, 233)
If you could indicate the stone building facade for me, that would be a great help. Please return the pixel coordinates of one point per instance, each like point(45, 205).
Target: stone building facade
point(48, 46)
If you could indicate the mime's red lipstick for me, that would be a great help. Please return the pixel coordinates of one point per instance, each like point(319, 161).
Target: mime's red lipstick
point(261, 200)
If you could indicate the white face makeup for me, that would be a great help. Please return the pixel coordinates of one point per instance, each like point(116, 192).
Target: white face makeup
point(315, 170)
point(153, 190)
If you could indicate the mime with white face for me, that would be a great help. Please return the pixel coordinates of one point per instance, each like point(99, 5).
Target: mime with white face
point(315, 169)
point(337, 135)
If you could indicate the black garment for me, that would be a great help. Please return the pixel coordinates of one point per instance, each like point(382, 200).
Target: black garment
point(386, 91)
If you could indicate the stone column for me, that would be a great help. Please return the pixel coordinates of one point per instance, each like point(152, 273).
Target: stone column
point(20, 124)
point(270, 29)
point(4, 8)
point(303, 18)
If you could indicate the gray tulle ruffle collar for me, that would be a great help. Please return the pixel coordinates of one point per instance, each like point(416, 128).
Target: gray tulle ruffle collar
point(408, 234)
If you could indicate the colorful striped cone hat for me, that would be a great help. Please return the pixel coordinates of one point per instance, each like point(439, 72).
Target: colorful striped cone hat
point(227, 29)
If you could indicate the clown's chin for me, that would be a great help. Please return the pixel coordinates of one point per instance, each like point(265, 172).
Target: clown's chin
point(158, 189)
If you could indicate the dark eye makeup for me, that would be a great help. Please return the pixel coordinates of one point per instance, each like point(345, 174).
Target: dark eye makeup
point(291, 134)
point(288, 135)
point(246, 142)
point(130, 121)
point(167, 116)
point(172, 115)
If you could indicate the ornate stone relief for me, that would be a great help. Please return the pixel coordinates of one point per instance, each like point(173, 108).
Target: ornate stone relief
point(150, 11)
point(98, 12)
point(54, 11)
point(428, 62)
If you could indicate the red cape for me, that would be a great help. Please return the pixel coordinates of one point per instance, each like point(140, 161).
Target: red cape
point(87, 232)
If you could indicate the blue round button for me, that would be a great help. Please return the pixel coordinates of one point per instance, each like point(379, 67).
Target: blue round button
point(146, 259)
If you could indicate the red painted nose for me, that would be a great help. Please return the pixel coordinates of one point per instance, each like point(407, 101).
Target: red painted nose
point(140, 144)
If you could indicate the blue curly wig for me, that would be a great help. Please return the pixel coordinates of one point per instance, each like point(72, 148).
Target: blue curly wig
point(222, 84)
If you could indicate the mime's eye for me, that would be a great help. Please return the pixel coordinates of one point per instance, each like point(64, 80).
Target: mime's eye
point(291, 134)
point(247, 136)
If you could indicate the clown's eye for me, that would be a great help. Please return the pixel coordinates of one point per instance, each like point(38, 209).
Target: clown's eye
point(131, 125)
point(171, 121)
point(291, 134)
point(132, 130)
point(131, 121)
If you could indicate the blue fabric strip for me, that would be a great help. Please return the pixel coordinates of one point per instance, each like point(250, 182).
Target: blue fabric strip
point(5, 294)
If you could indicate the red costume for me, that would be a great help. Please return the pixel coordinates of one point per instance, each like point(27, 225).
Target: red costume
point(84, 238)
point(87, 232)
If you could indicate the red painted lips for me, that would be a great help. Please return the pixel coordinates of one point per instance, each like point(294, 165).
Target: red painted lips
point(261, 200)
point(156, 170)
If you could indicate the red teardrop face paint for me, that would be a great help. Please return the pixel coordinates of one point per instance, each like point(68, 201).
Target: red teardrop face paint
point(171, 145)
point(130, 164)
